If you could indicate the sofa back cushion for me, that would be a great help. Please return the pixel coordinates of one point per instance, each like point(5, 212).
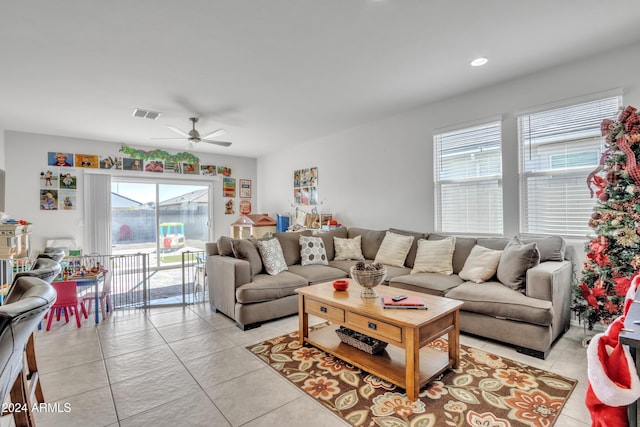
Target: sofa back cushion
point(371, 240)
point(495, 243)
point(551, 248)
point(411, 256)
point(327, 238)
point(394, 249)
point(290, 244)
point(461, 251)
point(248, 251)
point(225, 246)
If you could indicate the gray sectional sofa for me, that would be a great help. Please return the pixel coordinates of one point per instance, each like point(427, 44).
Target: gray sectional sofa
point(530, 318)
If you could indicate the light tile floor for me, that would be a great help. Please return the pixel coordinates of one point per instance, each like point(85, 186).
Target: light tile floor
point(188, 366)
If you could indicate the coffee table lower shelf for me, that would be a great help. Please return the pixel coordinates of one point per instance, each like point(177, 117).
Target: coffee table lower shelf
point(390, 365)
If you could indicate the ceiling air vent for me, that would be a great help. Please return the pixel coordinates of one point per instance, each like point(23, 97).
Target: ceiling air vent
point(146, 114)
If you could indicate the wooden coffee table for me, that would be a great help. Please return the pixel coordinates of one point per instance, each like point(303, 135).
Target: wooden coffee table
point(406, 363)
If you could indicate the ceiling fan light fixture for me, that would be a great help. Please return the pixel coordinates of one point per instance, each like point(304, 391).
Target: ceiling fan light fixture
point(145, 114)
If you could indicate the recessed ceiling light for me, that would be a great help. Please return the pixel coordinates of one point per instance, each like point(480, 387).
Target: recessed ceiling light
point(478, 62)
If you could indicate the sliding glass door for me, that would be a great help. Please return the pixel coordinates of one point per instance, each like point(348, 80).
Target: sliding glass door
point(170, 222)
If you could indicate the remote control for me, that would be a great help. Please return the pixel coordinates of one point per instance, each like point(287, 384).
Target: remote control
point(399, 298)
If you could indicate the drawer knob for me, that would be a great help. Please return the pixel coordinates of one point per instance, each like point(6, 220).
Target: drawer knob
point(372, 325)
point(323, 309)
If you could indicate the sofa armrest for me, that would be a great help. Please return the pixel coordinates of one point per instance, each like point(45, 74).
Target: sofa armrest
point(211, 248)
point(224, 275)
point(551, 281)
point(545, 279)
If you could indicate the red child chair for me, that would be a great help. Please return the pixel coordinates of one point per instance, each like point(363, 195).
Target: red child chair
point(67, 300)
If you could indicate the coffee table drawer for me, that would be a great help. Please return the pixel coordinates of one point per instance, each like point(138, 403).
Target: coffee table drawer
point(323, 310)
point(375, 327)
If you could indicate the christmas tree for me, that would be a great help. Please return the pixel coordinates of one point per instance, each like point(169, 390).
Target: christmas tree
point(613, 256)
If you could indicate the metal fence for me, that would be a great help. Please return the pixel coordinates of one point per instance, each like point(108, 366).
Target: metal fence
point(133, 283)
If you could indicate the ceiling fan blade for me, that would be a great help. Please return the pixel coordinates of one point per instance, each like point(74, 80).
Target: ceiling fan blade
point(170, 138)
point(222, 143)
point(217, 132)
point(179, 131)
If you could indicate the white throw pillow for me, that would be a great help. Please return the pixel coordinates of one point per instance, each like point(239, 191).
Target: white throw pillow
point(347, 249)
point(481, 264)
point(394, 249)
point(312, 251)
point(435, 256)
point(272, 256)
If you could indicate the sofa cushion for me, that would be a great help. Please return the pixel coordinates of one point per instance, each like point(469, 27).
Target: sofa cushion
point(371, 240)
point(435, 256)
point(327, 238)
point(312, 251)
point(394, 249)
point(272, 256)
point(551, 248)
point(495, 243)
point(225, 246)
point(495, 299)
point(344, 265)
point(430, 283)
point(481, 265)
point(290, 244)
point(265, 287)
point(393, 271)
point(515, 260)
point(318, 273)
point(348, 248)
point(461, 252)
point(248, 251)
point(411, 256)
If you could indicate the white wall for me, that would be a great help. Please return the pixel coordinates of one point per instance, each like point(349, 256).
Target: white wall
point(2, 157)
point(380, 174)
point(26, 154)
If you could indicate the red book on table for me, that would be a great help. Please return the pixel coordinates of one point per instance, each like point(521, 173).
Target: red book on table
point(409, 301)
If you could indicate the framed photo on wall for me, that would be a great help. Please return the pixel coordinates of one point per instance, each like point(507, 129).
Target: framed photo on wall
point(245, 188)
point(229, 187)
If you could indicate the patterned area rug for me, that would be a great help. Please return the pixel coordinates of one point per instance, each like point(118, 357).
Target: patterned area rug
point(487, 390)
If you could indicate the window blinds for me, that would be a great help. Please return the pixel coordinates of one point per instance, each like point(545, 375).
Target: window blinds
point(468, 180)
point(558, 149)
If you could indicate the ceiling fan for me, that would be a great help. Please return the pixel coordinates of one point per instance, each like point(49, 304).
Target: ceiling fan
point(193, 136)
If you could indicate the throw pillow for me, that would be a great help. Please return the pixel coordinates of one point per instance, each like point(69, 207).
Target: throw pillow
point(551, 248)
point(435, 256)
point(312, 251)
point(394, 249)
point(248, 251)
point(347, 249)
point(516, 259)
point(481, 265)
point(225, 246)
point(272, 256)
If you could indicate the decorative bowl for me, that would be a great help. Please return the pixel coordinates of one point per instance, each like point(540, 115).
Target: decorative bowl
point(368, 279)
point(340, 285)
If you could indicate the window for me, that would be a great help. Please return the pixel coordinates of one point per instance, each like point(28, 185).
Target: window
point(558, 150)
point(468, 180)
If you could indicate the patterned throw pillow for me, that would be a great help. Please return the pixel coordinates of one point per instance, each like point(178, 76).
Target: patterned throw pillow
point(347, 249)
point(394, 249)
point(272, 256)
point(435, 256)
point(312, 251)
point(481, 265)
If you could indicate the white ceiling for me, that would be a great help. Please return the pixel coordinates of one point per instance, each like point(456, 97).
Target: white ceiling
point(273, 72)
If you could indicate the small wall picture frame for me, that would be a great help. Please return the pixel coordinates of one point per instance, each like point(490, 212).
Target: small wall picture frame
point(229, 187)
point(245, 188)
